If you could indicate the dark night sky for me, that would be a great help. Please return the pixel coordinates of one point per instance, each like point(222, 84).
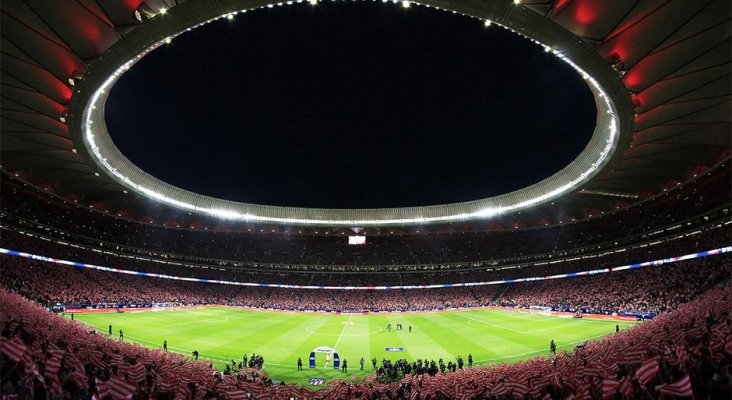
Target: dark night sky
point(350, 105)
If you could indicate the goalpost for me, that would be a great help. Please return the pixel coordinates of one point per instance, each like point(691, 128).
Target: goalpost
point(540, 310)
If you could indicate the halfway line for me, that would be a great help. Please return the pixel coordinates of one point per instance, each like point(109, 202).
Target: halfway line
point(335, 346)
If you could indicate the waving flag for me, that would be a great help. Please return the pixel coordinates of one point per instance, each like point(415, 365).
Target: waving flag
point(609, 388)
point(78, 376)
point(56, 386)
point(681, 388)
point(681, 355)
point(633, 356)
point(647, 370)
point(626, 387)
point(520, 389)
point(119, 389)
point(13, 349)
point(102, 388)
point(536, 390)
point(499, 390)
point(583, 393)
point(237, 395)
point(52, 367)
point(137, 372)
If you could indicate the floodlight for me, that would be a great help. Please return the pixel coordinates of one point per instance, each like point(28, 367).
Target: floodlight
point(75, 77)
point(144, 12)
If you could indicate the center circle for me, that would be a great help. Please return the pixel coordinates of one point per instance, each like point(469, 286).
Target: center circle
point(350, 105)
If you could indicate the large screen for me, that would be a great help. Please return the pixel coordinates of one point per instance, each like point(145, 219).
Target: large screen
point(357, 240)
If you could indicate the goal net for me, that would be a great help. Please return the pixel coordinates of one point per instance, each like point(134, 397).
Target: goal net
point(540, 310)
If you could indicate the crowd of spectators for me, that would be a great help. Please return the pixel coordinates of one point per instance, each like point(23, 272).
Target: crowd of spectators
point(28, 207)
point(687, 350)
point(44, 356)
point(711, 236)
point(690, 337)
point(653, 289)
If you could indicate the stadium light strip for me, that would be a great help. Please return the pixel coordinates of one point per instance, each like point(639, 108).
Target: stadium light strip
point(122, 170)
point(670, 260)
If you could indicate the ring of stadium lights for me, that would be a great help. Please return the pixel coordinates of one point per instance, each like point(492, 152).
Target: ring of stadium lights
point(609, 92)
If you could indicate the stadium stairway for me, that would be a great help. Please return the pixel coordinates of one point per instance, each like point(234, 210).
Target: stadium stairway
point(500, 293)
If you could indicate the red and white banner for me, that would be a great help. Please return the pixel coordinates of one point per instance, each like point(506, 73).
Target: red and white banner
point(681, 388)
point(647, 370)
point(13, 349)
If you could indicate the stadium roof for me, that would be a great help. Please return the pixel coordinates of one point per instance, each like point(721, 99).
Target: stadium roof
point(667, 62)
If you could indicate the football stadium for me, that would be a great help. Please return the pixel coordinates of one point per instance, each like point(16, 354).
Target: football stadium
point(336, 199)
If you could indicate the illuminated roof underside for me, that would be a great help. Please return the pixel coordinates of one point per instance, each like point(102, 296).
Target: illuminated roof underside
point(602, 80)
point(674, 58)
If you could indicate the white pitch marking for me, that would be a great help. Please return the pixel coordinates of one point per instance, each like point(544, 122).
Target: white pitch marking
point(534, 317)
point(198, 321)
point(497, 326)
point(335, 346)
point(541, 351)
point(315, 332)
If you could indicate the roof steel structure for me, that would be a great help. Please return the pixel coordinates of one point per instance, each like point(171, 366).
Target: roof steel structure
point(666, 62)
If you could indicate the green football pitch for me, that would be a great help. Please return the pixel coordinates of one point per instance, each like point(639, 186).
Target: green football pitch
point(224, 334)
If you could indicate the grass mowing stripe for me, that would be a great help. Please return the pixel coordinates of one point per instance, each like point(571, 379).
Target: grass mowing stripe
point(529, 334)
point(351, 346)
point(551, 328)
point(520, 356)
point(478, 339)
point(297, 338)
point(282, 337)
point(306, 332)
point(524, 334)
point(173, 349)
point(497, 341)
point(448, 338)
point(491, 324)
point(345, 325)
